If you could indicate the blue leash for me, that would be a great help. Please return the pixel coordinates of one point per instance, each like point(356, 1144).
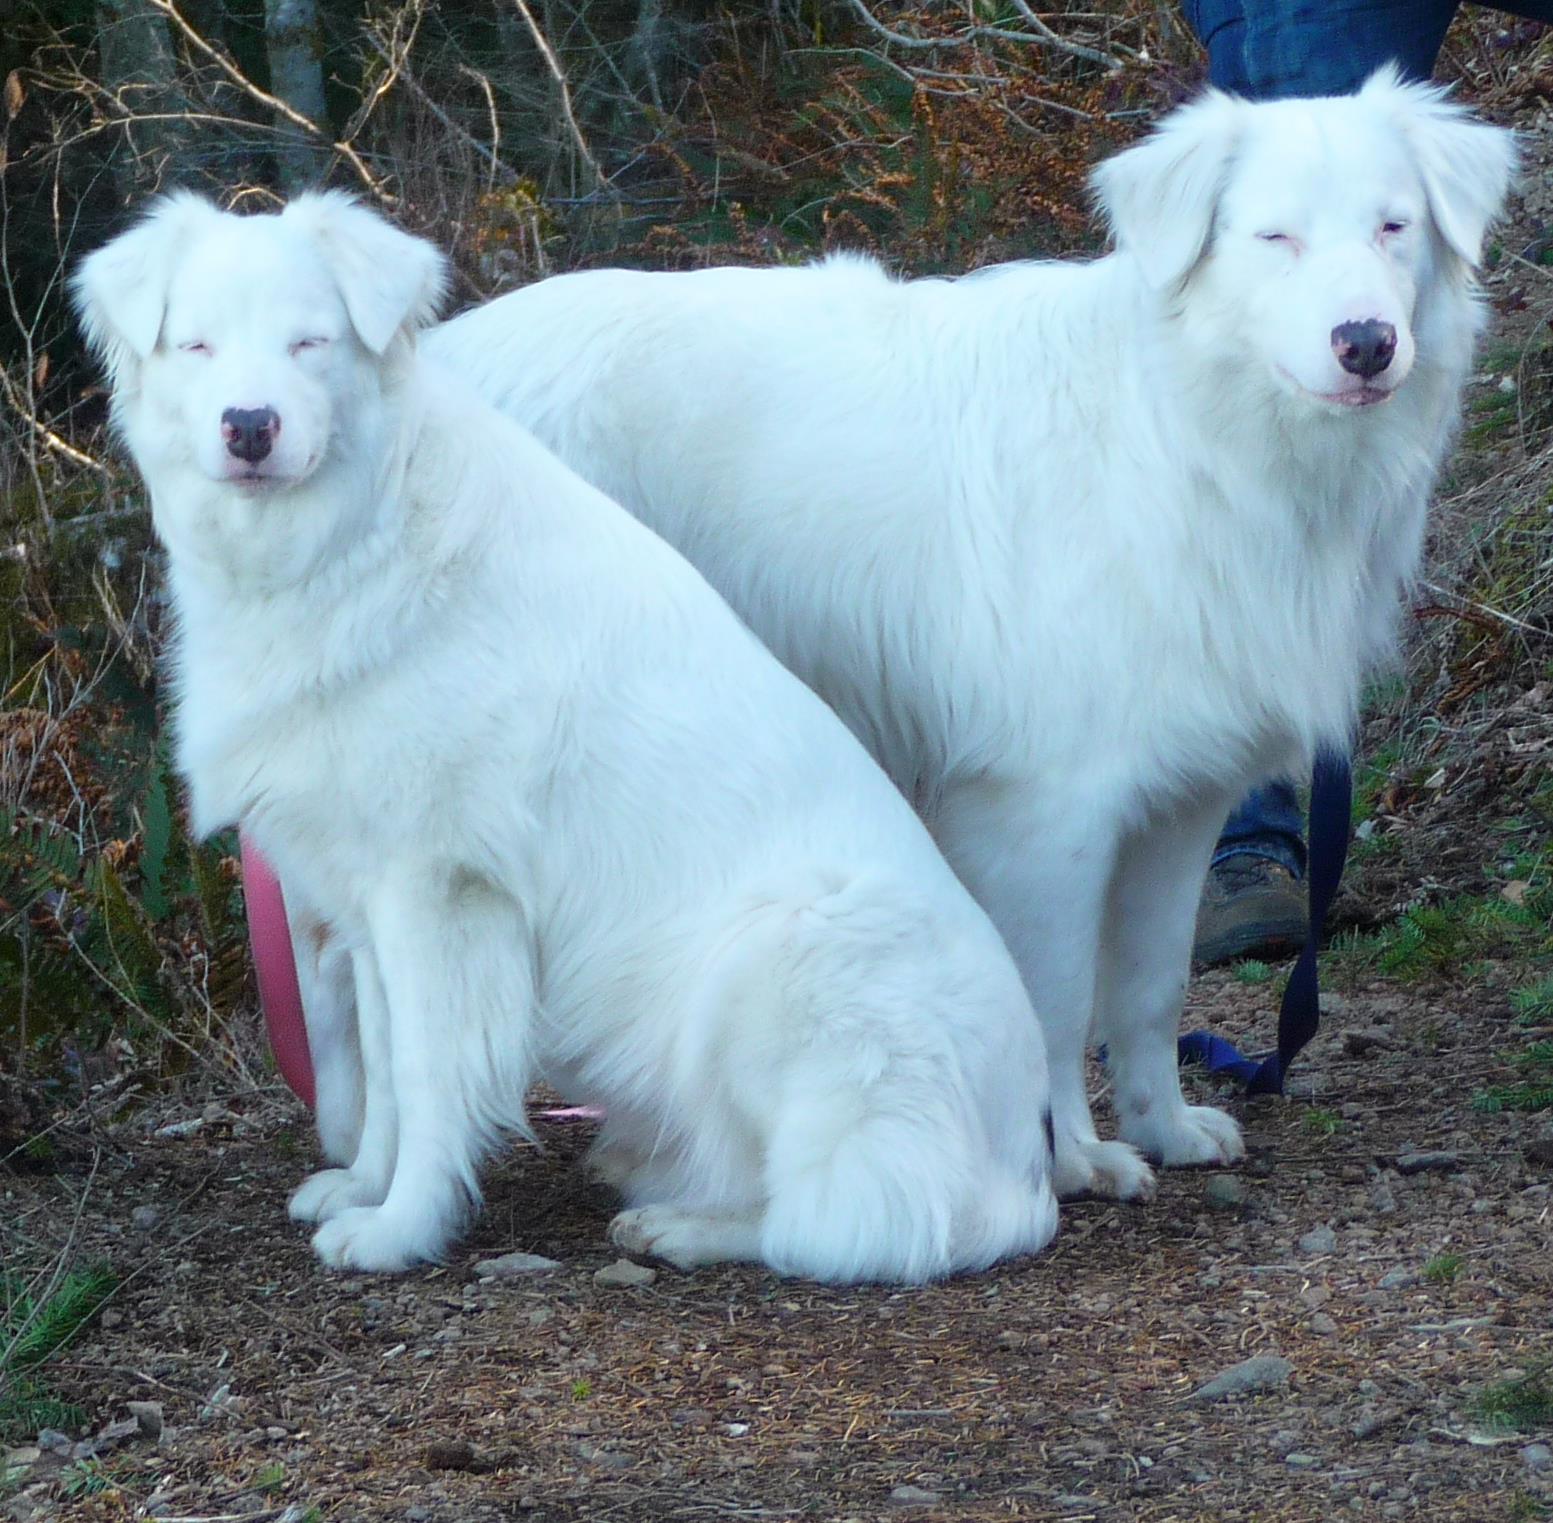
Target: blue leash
point(1331, 804)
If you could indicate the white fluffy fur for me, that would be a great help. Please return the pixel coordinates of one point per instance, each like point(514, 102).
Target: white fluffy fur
point(1079, 551)
point(564, 814)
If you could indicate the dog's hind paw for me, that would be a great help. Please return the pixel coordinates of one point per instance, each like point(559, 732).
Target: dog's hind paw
point(370, 1238)
point(1193, 1135)
point(1092, 1167)
point(328, 1192)
point(685, 1239)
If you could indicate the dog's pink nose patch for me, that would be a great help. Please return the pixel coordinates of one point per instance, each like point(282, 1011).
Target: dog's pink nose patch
point(270, 939)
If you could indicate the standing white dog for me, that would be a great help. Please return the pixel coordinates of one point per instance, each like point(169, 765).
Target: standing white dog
point(1079, 551)
point(570, 819)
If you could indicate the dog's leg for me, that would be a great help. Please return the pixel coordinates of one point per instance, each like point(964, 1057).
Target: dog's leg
point(1146, 959)
point(458, 977)
point(1041, 873)
point(365, 1183)
point(327, 986)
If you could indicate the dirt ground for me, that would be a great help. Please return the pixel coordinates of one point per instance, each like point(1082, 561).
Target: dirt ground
point(1059, 1387)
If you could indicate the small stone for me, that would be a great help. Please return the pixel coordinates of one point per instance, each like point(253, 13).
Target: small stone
point(1428, 1163)
point(1265, 1372)
point(1395, 1279)
point(1299, 1461)
point(1322, 1325)
point(1319, 1240)
point(111, 1319)
point(624, 1273)
point(1332, 1003)
point(1382, 1200)
point(913, 1496)
point(144, 1218)
point(1540, 1151)
point(52, 1440)
point(1225, 1192)
point(510, 1265)
point(148, 1414)
point(1371, 1421)
point(1537, 1456)
point(1366, 1039)
point(690, 1417)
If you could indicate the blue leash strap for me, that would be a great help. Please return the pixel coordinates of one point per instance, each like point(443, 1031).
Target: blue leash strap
point(1331, 805)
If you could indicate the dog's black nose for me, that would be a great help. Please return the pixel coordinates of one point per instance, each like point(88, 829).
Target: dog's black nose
point(1365, 348)
point(250, 432)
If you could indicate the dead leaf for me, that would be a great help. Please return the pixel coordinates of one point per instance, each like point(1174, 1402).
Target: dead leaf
point(15, 95)
point(40, 372)
point(1515, 891)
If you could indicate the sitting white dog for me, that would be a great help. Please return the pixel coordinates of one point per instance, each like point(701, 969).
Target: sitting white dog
point(1079, 551)
point(569, 817)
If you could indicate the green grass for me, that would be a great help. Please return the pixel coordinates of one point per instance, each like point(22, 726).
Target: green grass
point(92, 1478)
point(582, 1389)
point(269, 1478)
point(1534, 1092)
point(1443, 1268)
point(1252, 972)
point(1533, 1005)
point(1320, 1123)
point(1521, 1404)
point(35, 1325)
point(1438, 940)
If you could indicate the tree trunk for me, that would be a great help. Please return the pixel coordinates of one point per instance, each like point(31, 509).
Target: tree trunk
point(140, 71)
point(294, 41)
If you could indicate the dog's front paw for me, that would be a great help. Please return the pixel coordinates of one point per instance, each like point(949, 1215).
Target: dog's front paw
point(328, 1192)
point(373, 1239)
point(1190, 1136)
point(1100, 1168)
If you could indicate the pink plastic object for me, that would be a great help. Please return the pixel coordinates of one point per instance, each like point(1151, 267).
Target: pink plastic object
point(279, 993)
point(270, 939)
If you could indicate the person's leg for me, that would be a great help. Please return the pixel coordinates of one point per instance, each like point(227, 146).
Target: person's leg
point(1330, 47)
point(1265, 49)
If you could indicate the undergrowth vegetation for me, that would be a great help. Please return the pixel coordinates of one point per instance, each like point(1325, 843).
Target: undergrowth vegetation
point(40, 1317)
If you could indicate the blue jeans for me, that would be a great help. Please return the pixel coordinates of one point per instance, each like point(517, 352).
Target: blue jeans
point(1268, 823)
point(1263, 49)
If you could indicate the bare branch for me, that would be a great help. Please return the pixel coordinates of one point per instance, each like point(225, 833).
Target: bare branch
point(558, 74)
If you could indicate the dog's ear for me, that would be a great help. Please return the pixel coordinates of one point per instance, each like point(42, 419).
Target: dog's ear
point(1466, 165)
point(390, 281)
point(120, 292)
point(1160, 195)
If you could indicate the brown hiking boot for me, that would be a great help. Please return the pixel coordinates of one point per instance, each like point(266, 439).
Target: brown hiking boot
point(1251, 906)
